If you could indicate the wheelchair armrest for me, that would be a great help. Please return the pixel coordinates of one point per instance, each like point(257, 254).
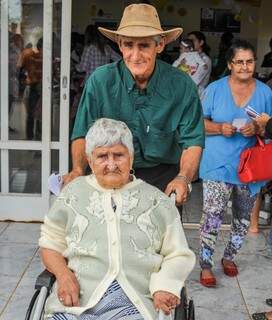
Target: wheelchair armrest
point(181, 309)
point(45, 279)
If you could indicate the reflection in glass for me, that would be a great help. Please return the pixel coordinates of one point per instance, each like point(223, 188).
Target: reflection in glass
point(0, 75)
point(25, 171)
point(56, 59)
point(25, 73)
point(55, 161)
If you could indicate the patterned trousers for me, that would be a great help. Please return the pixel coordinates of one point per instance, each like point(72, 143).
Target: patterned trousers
point(215, 198)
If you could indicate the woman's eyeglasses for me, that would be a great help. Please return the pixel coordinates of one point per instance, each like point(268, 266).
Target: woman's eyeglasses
point(241, 63)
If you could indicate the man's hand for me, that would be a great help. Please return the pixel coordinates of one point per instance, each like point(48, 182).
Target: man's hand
point(180, 188)
point(165, 301)
point(68, 289)
point(71, 176)
point(249, 130)
point(79, 160)
point(228, 129)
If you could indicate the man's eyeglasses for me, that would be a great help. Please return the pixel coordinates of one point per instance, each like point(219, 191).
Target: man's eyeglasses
point(241, 63)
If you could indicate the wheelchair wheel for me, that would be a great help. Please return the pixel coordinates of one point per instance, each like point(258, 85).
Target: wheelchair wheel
point(35, 310)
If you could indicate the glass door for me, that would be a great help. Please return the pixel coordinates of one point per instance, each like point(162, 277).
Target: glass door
point(34, 103)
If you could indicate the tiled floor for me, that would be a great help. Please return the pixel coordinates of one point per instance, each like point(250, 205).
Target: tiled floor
point(233, 299)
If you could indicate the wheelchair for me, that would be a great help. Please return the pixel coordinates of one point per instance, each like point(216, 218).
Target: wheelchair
point(45, 281)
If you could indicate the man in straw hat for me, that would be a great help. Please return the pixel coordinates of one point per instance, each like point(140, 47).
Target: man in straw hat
point(159, 104)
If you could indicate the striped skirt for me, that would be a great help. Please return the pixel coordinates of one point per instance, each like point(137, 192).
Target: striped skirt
point(114, 305)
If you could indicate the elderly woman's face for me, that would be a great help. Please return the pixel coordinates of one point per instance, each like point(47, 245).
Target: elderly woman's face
point(111, 166)
point(242, 66)
point(139, 55)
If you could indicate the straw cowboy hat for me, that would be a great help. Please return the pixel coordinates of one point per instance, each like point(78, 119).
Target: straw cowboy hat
point(141, 20)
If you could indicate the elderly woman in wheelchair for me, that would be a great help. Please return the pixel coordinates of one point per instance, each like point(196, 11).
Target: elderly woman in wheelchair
point(114, 243)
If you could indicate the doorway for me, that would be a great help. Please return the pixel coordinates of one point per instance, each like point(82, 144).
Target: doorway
point(34, 99)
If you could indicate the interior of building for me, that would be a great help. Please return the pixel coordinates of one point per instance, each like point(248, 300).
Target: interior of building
point(24, 157)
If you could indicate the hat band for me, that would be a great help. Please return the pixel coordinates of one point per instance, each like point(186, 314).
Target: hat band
point(137, 25)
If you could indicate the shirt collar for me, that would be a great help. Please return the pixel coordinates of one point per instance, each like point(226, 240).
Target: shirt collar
point(130, 82)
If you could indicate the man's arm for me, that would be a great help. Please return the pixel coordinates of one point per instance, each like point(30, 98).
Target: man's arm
point(189, 163)
point(79, 161)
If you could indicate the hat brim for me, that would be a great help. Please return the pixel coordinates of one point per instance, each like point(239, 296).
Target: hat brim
point(141, 32)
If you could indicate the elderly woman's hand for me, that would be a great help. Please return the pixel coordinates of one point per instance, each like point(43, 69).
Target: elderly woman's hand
point(68, 289)
point(249, 130)
point(165, 301)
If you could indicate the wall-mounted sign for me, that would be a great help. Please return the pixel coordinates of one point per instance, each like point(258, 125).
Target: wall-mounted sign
point(219, 20)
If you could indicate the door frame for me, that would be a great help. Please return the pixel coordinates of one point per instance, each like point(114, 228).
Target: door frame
point(33, 207)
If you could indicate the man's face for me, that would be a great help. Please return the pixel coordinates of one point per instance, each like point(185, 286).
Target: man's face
point(139, 55)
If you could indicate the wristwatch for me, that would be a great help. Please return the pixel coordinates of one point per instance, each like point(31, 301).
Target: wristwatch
point(187, 181)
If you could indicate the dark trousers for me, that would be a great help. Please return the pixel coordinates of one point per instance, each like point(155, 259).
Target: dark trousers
point(158, 176)
point(34, 96)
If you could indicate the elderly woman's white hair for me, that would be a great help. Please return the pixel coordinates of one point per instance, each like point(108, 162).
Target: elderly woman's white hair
point(106, 133)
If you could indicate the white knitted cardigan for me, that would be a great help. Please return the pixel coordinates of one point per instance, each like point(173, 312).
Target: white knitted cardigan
point(141, 244)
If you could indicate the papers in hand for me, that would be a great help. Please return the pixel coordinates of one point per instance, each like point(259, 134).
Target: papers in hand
point(55, 183)
point(238, 123)
point(252, 113)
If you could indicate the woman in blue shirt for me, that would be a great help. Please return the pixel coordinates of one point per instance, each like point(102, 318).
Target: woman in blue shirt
point(229, 130)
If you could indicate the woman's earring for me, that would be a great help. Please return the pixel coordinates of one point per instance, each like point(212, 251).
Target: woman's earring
point(132, 171)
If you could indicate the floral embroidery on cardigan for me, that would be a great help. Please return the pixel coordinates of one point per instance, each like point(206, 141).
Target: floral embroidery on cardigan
point(74, 249)
point(146, 225)
point(129, 202)
point(80, 223)
point(95, 207)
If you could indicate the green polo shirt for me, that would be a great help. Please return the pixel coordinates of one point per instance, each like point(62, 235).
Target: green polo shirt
point(165, 118)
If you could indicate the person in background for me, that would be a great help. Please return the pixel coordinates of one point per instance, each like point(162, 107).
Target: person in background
point(265, 122)
point(229, 131)
point(201, 46)
point(115, 243)
point(254, 217)
point(96, 52)
point(190, 61)
point(77, 47)
point(220, 68)
point(16, 45)
point(76, 78)
point(159, 104)
point(31, 60)
point(267, 61)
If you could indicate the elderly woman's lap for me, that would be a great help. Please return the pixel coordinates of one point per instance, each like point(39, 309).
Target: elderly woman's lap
point(66, 316)
point(114, 305)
